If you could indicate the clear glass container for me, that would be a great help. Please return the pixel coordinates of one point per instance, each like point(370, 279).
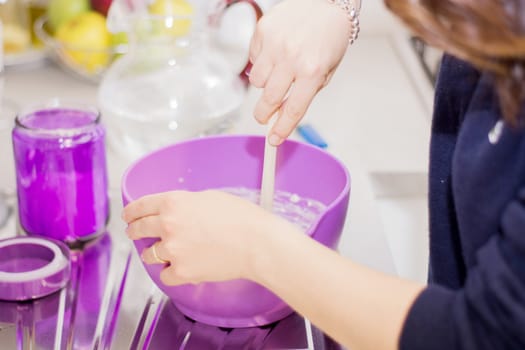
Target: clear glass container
point(172, 84)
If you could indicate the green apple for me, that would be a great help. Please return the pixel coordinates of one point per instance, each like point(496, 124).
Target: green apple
point(61, 11)
point(86, 41)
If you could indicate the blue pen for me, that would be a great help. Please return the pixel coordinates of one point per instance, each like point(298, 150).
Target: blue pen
point(311, 135)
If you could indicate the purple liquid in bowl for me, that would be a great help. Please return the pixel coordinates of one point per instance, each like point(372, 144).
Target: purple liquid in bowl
point(61, 173)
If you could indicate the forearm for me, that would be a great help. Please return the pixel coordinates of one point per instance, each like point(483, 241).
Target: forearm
point(359, 307)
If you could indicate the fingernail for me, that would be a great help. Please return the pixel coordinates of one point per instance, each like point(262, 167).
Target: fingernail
point(274, 140)
point(260, 119)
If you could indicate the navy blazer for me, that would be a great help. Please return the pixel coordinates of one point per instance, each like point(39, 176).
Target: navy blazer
point(476, 293)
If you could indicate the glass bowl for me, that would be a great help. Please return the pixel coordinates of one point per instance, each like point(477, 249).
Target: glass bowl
point(89, 64)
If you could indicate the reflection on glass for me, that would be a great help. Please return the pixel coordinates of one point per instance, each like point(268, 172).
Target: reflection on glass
point(81, 316)
point(170, 329)
point(89, 278)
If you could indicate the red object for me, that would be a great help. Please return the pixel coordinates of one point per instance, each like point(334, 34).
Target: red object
point(101, 6)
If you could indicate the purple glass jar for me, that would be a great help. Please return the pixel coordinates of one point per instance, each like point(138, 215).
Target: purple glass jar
point(61, 172)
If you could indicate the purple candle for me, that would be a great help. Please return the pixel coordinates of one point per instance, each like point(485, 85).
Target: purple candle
point(61, 172)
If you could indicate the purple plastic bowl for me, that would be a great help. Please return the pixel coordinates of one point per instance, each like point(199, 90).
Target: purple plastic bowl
point(237, 161)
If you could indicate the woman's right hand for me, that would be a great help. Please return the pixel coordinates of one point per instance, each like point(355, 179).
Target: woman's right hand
point(206, 236)
point(296, 47)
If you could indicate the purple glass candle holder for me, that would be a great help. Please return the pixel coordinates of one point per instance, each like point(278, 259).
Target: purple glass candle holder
point(61, 172)
point(32, 267)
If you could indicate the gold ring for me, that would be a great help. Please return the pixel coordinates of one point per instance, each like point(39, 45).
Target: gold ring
point(156, 256)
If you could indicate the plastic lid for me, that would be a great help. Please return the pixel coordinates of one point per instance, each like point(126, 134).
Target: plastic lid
point(32, 267)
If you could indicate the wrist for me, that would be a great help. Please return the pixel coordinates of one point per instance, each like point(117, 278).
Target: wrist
point(266, 248)
point(261, 248)
point(274, 242)
point(351, 10)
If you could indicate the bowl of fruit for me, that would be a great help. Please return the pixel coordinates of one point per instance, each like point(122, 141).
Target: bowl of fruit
point(77, 37)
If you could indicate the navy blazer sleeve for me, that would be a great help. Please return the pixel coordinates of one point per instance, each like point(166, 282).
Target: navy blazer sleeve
point(477, 221)
point(488, 312)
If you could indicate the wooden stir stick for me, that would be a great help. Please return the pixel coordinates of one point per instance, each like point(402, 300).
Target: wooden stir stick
point(268, 174)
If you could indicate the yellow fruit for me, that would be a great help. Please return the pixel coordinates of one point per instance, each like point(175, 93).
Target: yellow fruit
point(16, 38)
point(86, 41)
point(176, 8)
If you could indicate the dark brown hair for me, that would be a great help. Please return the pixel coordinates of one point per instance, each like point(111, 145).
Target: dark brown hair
point(490, 34)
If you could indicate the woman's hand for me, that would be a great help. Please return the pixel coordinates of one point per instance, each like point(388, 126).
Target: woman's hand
point(205, 236)
point(296, 47)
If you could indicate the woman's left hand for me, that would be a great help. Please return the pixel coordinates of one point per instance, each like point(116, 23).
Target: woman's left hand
point(205, 236)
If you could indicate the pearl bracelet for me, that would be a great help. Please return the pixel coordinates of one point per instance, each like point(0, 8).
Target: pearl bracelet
point(351, 8)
